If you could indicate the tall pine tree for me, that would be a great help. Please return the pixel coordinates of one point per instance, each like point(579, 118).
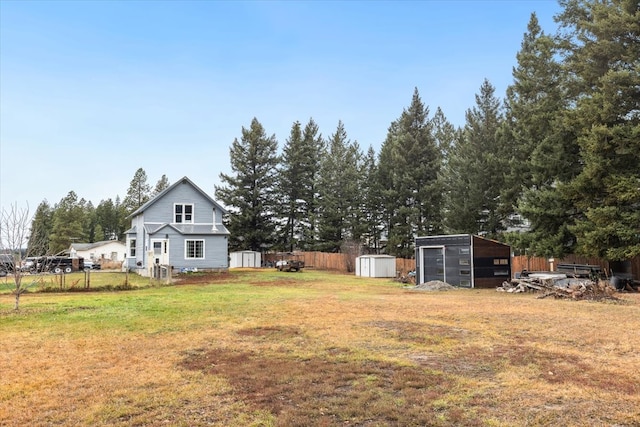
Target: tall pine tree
point(372, 211)
point(410, 162)
point(68, 223)
point(476, 170)
point(339, 198)
point(602, 51)
point(296, 186)
point(314, 146)
point(41, 228)
point(110, 216)
point(250, 193)
point(543, 151)
point(139, 191)
point(161, 185)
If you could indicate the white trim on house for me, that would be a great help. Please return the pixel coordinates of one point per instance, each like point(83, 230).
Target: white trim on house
point(183, 213)
point(131, 248)
point(195, 249)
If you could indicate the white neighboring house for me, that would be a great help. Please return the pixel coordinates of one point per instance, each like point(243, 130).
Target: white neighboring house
point(110, 250)
point(182, 228)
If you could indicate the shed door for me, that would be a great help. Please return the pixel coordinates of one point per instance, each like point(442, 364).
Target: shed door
point(365, 264)
point(249, 259)
point(433, 264)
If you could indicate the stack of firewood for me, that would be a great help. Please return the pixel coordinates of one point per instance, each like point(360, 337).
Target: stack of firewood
point(561, 288)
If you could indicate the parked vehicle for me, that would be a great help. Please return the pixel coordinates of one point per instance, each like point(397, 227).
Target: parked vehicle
point(28, 265)
point(59, 264)
point(290, 262)
point(6, 264)
point(90, 265)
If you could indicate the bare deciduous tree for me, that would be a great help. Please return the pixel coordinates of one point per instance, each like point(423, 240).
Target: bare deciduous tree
point(14, 235)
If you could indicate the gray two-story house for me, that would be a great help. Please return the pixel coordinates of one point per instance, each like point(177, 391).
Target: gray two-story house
point(180, 228)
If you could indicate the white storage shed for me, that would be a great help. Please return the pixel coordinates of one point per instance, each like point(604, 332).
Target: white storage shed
point(376, 266)
point(245, 259)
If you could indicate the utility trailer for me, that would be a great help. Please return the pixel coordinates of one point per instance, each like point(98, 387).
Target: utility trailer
point(59, 264)
point(593, 272)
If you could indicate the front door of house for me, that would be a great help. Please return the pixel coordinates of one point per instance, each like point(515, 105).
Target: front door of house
point(160, 251)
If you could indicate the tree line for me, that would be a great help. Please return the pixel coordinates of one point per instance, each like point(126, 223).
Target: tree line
point(559, 154)
point(76, 220)
point(557, 159)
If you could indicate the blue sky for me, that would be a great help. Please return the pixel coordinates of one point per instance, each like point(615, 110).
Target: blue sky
point(90, 91)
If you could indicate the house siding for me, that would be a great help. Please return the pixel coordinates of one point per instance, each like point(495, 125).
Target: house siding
point(162, 211)
point(215, 255)
point(137, 222)
point(154, 222)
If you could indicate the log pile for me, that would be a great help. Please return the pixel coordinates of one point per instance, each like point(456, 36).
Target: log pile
point(558, 287)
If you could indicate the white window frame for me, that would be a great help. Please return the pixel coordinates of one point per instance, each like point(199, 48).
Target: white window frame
point(153, 245)
point(183, 220)
point(186, 249)
point(131, 253)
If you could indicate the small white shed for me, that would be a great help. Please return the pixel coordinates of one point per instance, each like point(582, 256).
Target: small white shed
point(376, 266)
point(245, 259)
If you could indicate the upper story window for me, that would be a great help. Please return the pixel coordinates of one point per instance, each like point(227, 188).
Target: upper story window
point(183, 213)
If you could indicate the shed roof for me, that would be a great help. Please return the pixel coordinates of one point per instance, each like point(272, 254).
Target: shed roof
point(377, 256)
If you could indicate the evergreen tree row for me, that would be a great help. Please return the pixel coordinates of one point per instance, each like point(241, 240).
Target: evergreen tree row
point(330, 195)
point(55, 228)
point(557, 159)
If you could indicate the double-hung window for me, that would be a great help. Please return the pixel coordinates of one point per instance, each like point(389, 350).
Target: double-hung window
point(132, 248)
point(183, 213)
point(194, 249)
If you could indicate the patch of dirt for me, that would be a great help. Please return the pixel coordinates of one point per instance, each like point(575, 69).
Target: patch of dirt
point(202, 278)
point(284, 281)
point(418, 332)
point(554, 368)
point(558, 368)
point(476, 362)
point(335, 389)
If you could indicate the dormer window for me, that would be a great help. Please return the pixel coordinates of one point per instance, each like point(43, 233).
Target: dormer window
point(183, 213)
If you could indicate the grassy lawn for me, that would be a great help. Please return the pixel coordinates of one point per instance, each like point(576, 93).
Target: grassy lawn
point(264, 348)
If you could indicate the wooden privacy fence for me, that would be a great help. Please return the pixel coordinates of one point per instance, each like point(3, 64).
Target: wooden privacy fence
point(342, 262)
point(345, 263)
point(327, 261)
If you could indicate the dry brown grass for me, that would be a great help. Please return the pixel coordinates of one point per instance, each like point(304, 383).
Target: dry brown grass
point(325, 350)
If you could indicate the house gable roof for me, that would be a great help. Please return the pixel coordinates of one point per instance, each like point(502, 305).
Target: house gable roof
point(169, 189)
